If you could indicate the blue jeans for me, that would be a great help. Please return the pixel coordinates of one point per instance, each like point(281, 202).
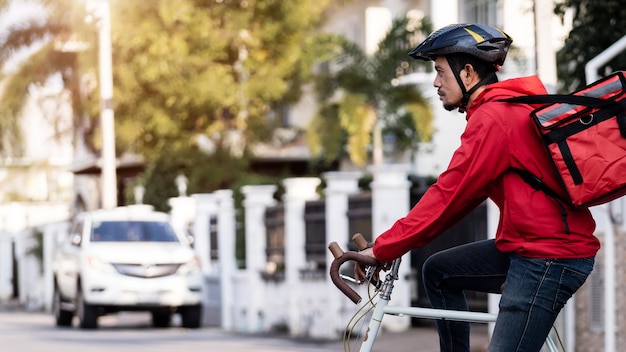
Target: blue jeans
point(533, 293)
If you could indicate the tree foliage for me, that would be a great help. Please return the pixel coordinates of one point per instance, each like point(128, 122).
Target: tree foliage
point(357, 91)
point(195, 81)
point(206, 67)
point(45, 37)
point(596, 26)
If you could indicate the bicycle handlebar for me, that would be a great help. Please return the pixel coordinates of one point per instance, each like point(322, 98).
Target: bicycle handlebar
point(342, 257)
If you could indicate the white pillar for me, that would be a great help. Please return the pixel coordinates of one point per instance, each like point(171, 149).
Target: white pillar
point(606, 228)
point(226, 248)
point(183, 212)
point(6, 266)
point(339, 186)
point(297, 192)
point(257, 199)
point(107, 121)
point(206, 207)
point(493, 218)
point(50, 236)
point(378, 20)
point(544, 43)
point(14, 219)
point(444, 12)
point(390, 202)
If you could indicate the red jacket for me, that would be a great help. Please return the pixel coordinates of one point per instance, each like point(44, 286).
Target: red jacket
point(498, 136)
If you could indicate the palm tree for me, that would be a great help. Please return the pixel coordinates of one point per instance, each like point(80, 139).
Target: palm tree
point(49, 37)
point(361, 100)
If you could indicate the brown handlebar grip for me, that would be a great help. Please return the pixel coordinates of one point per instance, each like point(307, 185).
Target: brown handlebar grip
point(335, 249)
point(360, 241)
point(336, 277)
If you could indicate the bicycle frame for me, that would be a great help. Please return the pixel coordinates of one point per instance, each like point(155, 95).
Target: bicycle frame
point(382, 307)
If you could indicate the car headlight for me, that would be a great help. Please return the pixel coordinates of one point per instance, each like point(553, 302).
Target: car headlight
point(98, 264)
point(190, 267)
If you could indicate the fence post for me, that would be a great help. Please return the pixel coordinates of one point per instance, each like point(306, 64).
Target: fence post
point(226, 248)
point(52, 234)
point(339, 185)
point(257, 199)
point(13, 219)
point(183, 211)
point(6, 266)
point(298, 190)
point(206, 207)
point(391, 201)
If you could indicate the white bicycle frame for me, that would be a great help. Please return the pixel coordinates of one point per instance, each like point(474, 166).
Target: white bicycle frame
point(382, 307)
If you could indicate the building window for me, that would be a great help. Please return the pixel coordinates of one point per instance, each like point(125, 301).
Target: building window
point(280, 115)
point(480, 11)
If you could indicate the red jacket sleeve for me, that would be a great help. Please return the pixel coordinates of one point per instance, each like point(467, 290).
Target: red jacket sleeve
point(482, 157)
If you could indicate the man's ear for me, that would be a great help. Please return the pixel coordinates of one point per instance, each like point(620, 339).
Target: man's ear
point(469, 75)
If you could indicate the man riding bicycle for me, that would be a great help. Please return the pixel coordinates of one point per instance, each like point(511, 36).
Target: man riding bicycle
point(543, 249)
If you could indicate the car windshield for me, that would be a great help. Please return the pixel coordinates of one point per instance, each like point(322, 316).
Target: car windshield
point(132, 231)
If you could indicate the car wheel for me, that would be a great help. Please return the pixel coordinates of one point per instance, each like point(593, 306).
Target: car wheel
point(62, 317)
point(87, 313)
point(161, 318)
point(191, 316)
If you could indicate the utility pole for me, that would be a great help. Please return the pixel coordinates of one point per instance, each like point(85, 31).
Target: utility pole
point(108, 159)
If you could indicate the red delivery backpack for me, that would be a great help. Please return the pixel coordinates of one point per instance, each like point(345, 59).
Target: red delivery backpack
point(585, 136)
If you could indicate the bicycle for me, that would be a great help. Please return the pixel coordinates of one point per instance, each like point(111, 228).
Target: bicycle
point(385, 288)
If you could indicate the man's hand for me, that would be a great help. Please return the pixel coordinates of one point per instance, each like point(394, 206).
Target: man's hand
point(359, 271)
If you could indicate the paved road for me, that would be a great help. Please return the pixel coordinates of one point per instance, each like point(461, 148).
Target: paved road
point(131, 332)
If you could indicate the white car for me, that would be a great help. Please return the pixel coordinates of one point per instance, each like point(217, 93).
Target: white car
point(126, 259)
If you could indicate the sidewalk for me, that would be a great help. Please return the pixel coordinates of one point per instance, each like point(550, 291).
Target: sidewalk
point(420, 339)
point(417, 339)
point(11, 305)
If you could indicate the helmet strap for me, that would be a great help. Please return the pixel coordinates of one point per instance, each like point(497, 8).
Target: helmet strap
point(467, 93)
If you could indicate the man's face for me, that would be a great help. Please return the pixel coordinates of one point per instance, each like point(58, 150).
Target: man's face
point(447, 86)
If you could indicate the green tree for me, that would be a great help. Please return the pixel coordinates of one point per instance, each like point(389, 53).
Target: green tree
point(192, 78)
point(197, 82)
point(361, 100)
point(596, 26)
point(48, 36)
point(216, 69)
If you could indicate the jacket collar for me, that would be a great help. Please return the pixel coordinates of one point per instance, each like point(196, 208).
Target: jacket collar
point(505, 89)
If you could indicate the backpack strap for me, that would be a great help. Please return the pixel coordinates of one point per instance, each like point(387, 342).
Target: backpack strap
point(618, 108)
point(536, 183)
point(583, 100)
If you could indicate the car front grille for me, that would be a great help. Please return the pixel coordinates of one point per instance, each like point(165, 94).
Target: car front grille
point(147, 270)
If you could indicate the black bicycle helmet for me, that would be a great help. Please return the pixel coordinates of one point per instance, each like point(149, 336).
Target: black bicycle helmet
point(487, 43)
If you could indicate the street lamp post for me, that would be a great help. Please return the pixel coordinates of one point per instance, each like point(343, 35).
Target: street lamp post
point(108, 159)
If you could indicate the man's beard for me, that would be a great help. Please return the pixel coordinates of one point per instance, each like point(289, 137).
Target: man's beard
point(450, 107)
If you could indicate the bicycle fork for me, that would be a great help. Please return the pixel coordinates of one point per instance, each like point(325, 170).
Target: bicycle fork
point(380, 309)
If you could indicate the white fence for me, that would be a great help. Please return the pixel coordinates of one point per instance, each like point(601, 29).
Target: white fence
point(31, 278)
point(304, 305)
point(241, 299)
